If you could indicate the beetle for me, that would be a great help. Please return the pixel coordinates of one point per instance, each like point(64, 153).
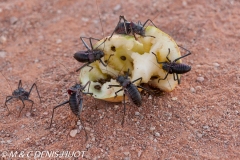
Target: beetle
point(127, 28)
point(172, 67)
point(130, 89)
point(91, 55)
point(75, 100)
point(23, 95)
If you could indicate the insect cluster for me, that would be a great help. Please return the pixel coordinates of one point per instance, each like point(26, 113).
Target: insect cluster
point(102, 63)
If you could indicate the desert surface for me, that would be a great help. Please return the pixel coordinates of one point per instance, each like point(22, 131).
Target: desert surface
point(199, 119)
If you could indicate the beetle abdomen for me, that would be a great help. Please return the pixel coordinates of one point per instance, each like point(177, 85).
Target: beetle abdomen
point(134, 94)
point(180, 68)
point(74, 103)
point(81, 56)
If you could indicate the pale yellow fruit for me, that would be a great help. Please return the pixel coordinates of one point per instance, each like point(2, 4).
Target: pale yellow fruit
point(135, 55)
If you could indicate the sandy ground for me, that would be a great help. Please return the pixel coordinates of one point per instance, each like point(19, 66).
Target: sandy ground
point(200, 119)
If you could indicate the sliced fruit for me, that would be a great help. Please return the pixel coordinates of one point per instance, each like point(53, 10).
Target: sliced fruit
point(135, 55)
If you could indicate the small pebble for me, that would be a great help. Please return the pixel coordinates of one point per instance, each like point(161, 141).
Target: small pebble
point(79, 128)
point(198, 88)
point(192, 122)
point(117, 7)
point(216, 64)
point(137, 113)
point(184, 3)
point(88, 128)
point(58, 41)
point(174, 98)
point(157, 134)
point(9, 141)
point(152, 128)
point(36, 60)
point(13, 20)
point(139, 153)
point(150, 97)
point(151, 137)
point(28, 114)
point(3, 39)
point(85, 19)
point(199, 135)
point(88, 145)
point(198, 66)
point(200, 79)
point(73, 132)
point(126, 153)
point(78, 123)
point(206, 127)
point(192, 90)
point(45, 113)
point(59, 11)
point(3, 54)
point(116, 107)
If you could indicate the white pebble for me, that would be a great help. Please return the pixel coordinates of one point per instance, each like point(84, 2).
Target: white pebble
point(199, 135)
point(28, 114)
point(45, 113)
point(139, 153)
point(206, 127)
point(192, 122)
point(116, 107)
point(198, 87)
point(126, 153)
point(87, 128)
point(79, 128)
point(117, 7)
point(58, 41)
point(157, 134)
point(184, 3)
point(73, 132)
point(13, 20)
point(137, 113)
point(3, 54)
point(3, 39)
point(59, 11)
point(174, 98)
point(200, 79)
point(216, 64)
point(78, 122)
point(152, 128)
point(150, 97)
point(192, 90)
point(85, 19)
point(9, 141)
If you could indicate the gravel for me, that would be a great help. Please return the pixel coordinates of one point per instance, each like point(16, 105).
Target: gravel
point(216, 64)
point(3, 54)
point(192, 90)
point(200, 79)
point(157, 134)
point(13, 20)
point(73, 132)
